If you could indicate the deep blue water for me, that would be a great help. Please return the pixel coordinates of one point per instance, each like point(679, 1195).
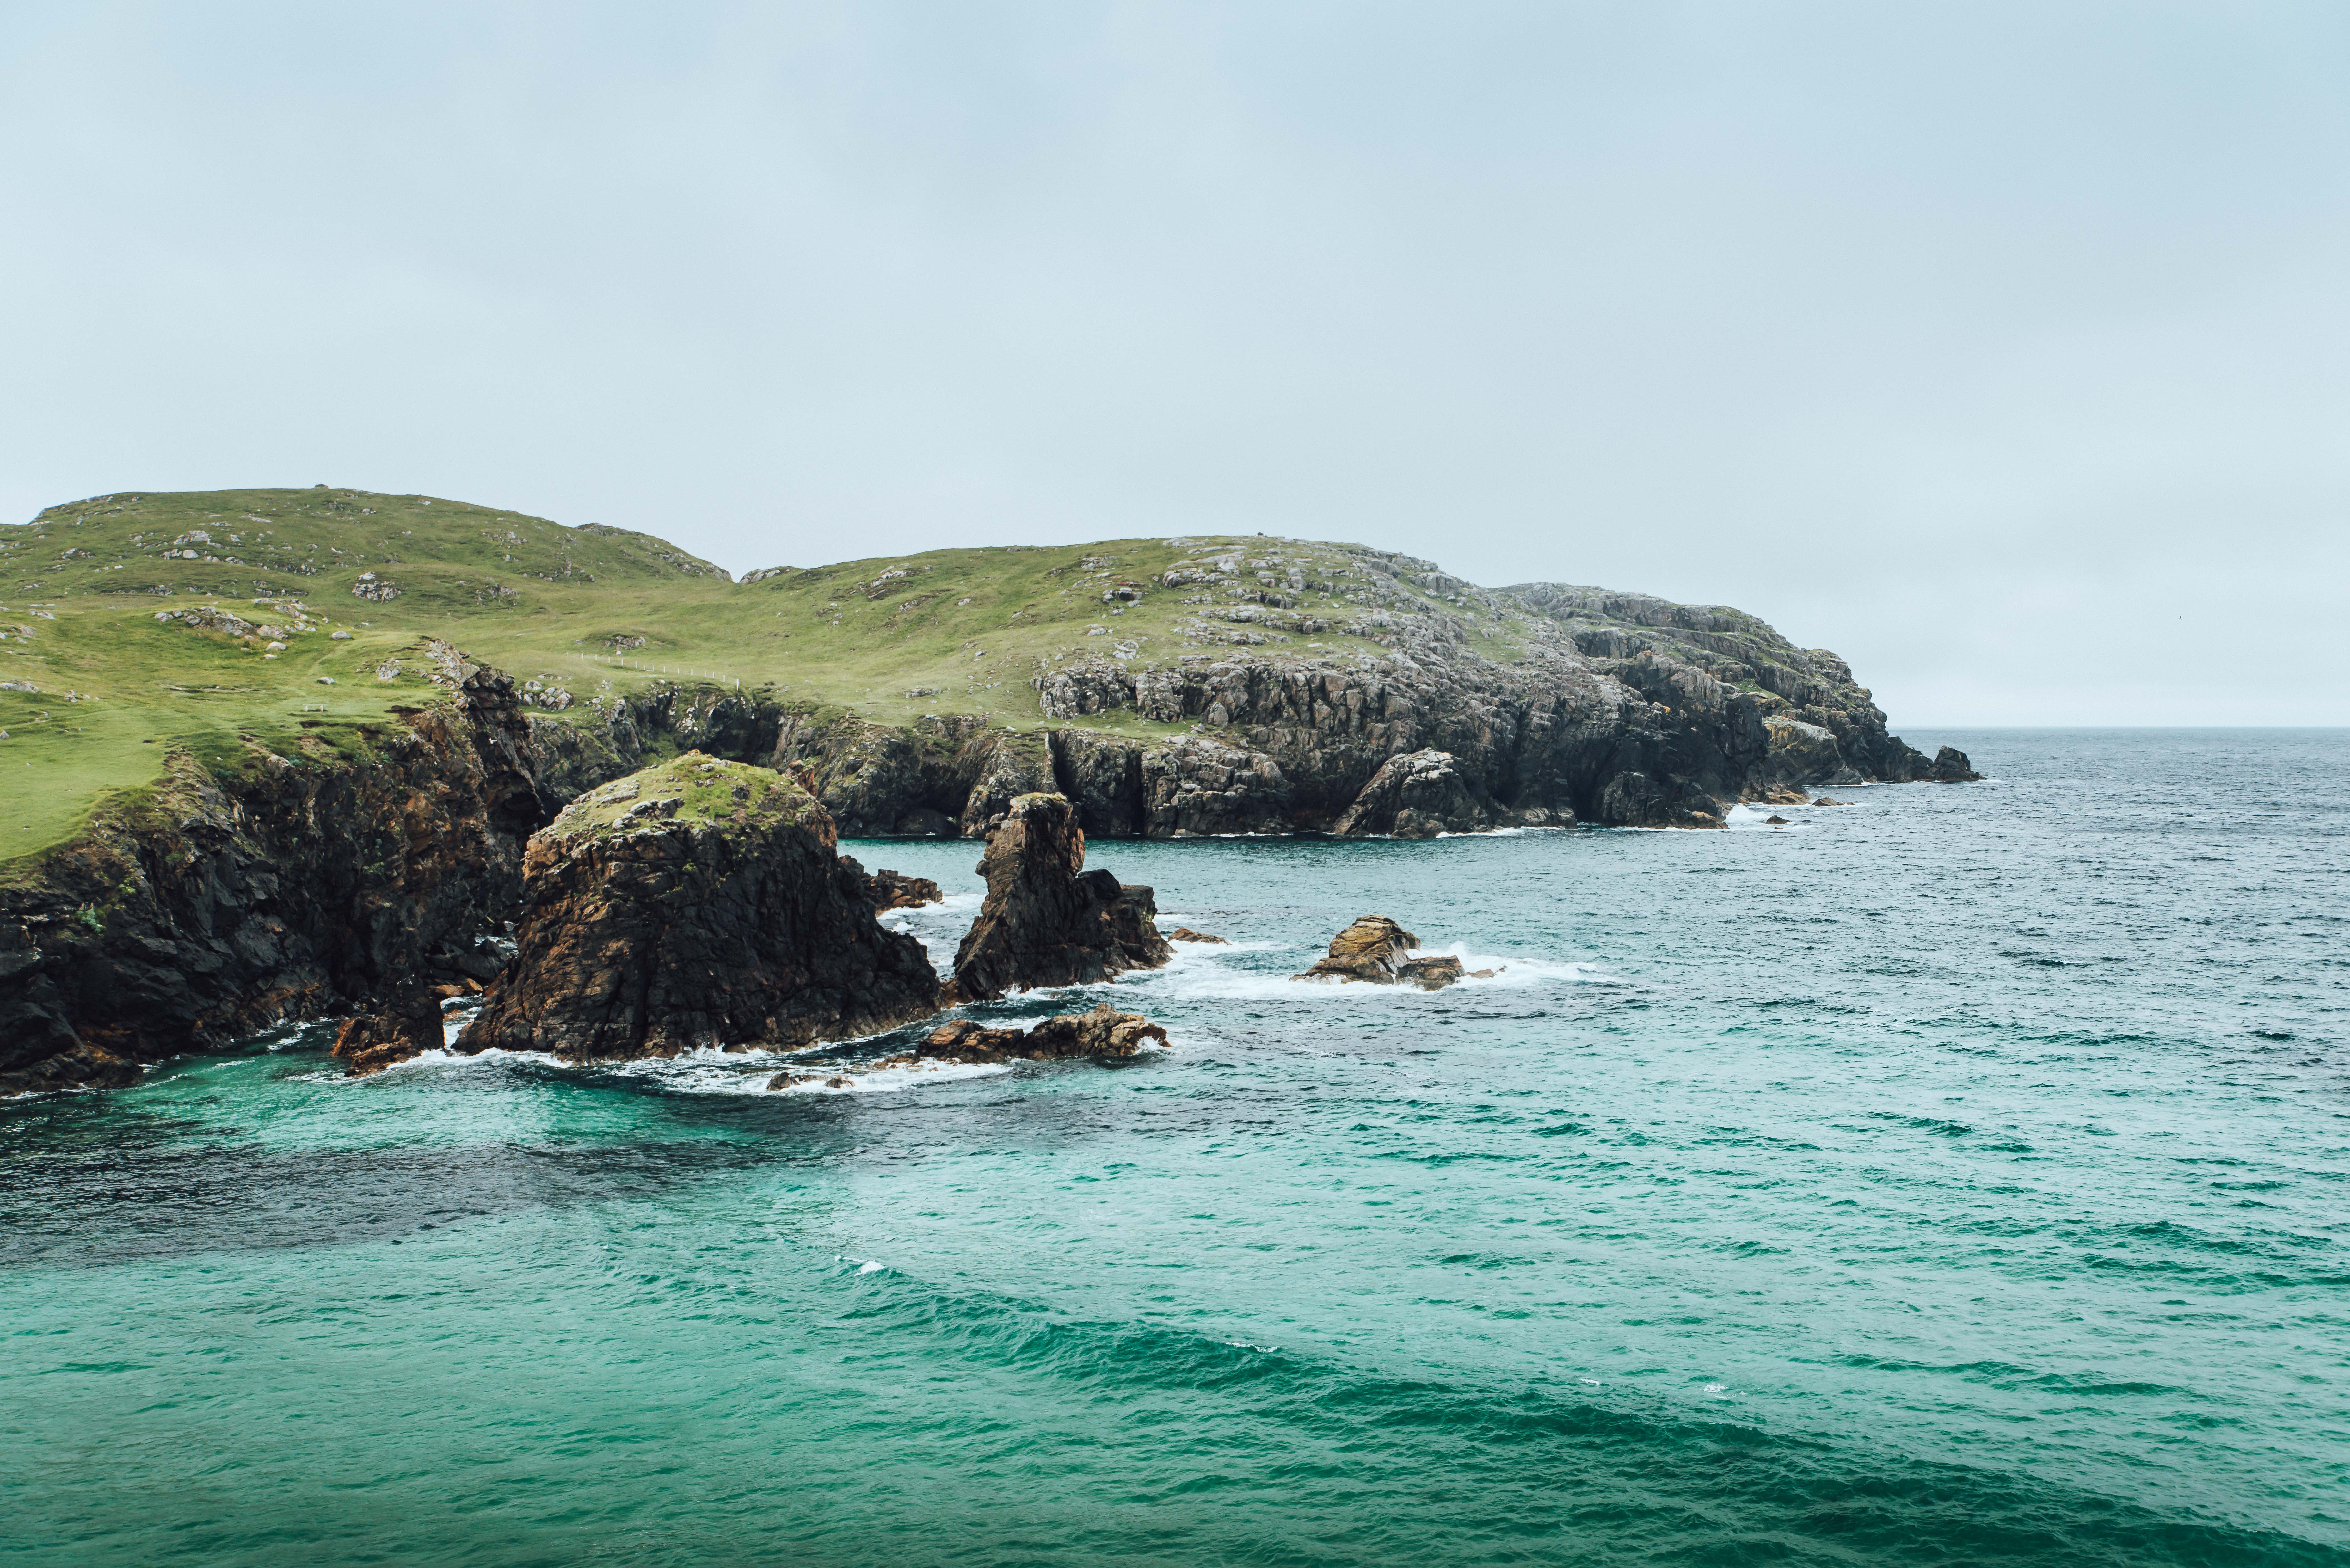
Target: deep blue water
point(1961, 1176)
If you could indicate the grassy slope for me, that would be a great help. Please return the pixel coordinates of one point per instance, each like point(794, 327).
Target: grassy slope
point(590, 611)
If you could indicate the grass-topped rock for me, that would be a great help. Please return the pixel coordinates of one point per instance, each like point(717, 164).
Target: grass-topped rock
point(701, 904)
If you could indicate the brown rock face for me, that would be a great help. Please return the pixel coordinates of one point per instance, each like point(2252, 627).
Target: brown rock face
point(408, 1026)
point(1048, 921)
point(1186, 934)
point(699, 904)
point(893, 889)
point(1103, 1033)
point(1373, 949)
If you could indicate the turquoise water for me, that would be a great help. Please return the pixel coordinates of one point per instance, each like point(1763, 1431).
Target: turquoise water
point(1961, 1176)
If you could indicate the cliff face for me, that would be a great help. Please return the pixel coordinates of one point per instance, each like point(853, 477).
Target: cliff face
point(1411, 719)
point(266, 887)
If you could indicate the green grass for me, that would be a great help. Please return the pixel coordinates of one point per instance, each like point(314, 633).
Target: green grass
point(706, 789)
point(595, 612)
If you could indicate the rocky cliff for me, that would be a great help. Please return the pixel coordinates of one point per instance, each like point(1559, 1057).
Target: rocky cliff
point(1369, 694)
point(257, 887)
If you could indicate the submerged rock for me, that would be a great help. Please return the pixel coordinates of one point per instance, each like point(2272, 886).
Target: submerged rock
point(1046, 922)
point(1103, 1033)
point(707, 907)
point(1186, 934)
point(1433, 973)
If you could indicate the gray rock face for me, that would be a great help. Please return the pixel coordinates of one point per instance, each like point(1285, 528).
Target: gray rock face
point(1418, 795)
point(1555, 703)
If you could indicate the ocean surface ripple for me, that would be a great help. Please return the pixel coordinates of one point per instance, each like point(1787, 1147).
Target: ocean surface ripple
point(1960, 1176)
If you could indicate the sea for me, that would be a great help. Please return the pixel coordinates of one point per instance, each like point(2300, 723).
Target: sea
point(1960, 1174)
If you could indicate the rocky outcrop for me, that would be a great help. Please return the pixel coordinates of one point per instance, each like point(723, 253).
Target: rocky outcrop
point(1377, 950)
point(1418, 795)
point(253, 887)
point(1186, 934)
point(1103, 1034)
point(698, 905)
point(1046, 920)
point(407, 1026)
point(1951, 766)
point(888, 890)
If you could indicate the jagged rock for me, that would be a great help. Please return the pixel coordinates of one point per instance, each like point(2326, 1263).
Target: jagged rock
point(1826, 801)
point(408, 1026)
point(1103, 1033)
point(1784, 795)
point(712, 912)
point(1774, 820)
point(1418, 795)
point(1198, 787)
point(894, 891)
point(1951, 766)
point(1372, 948)
point(1186, 934)
point(1046, 920)
point(1432, 974)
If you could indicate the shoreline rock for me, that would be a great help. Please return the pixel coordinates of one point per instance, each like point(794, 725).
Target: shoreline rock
point(893, 889)
point(1376, 951)
point(1046, 922)
point(698, 905)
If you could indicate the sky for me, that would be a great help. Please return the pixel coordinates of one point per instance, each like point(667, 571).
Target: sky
point(2003, 348)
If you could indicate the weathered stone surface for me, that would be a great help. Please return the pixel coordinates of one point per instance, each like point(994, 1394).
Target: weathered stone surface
point(1046, 920)
point(1432, 974)
point(1373, 949)
point(893, 889)
point(1186, 934)
point(1418, 795)
point(707, 909)
point(409, 1025)
point(1102, 1034)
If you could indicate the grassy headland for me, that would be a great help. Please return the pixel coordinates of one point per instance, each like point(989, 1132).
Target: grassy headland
point(102, 688)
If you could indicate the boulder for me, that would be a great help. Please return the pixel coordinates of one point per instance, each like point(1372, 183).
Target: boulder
point(1951, 766)
point(1186, 934)
point(1418, 795)
point(1372, 948)
point(1102, 1034)
point(699, 904)
point(1046, 920)
point(408, 1026)
point(894, 891)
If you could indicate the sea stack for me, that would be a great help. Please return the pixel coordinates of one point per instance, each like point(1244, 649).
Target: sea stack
point(1046, 920)
point(701, 904)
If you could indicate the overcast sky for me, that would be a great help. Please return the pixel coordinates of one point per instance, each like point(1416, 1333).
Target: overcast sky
point(2004, 350)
